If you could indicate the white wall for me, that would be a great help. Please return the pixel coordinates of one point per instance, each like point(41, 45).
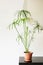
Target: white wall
point(36, 9)
point(9, 52)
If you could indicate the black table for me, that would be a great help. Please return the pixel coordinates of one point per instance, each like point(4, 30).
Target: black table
point(35, 61)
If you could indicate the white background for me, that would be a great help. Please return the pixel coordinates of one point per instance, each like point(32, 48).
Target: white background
point(36, 9)
point(9, 49)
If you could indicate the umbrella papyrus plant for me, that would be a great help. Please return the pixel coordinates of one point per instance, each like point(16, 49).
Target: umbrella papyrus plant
point(28, 27)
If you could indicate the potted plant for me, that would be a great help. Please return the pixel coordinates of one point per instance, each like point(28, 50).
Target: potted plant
point(28, 28)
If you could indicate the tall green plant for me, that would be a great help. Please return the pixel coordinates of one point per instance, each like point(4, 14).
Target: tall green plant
point(24, 18)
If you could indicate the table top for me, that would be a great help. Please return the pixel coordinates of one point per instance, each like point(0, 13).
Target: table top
point(34, 60)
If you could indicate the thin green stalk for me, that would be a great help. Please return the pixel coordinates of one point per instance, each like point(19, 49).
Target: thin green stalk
point(31, 38)
point(21, 38)
point(25, 35)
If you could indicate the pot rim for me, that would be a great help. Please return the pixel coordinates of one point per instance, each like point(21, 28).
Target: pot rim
point(28, 52)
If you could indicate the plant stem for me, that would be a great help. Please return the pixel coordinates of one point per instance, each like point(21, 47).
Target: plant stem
point(25, 35)
point(21, 39)
point(31, 38)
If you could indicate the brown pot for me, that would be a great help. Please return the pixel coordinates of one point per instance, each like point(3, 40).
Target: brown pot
point(28, 56)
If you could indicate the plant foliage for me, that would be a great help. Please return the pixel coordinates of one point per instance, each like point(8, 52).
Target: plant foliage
point(30, 26)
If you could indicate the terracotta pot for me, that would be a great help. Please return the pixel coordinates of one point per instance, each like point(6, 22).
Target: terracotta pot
point(28, 56)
